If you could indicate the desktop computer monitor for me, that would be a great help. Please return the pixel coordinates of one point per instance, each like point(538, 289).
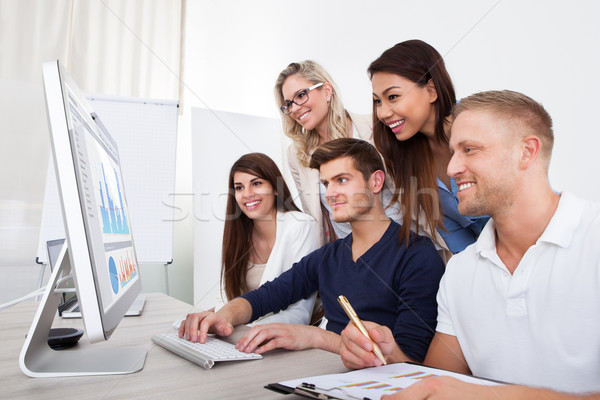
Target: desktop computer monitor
point(99, 250)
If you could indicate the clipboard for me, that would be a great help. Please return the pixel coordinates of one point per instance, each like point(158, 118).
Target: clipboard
point(369, 383)
point(308, 390)
point(312, 392)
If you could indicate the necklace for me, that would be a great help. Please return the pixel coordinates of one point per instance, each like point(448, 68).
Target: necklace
point(256, 253)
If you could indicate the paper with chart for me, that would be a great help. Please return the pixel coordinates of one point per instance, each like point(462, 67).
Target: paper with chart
point(372, 383)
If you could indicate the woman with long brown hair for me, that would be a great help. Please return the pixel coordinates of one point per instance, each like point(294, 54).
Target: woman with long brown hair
point(413, 98)
point(264, 234)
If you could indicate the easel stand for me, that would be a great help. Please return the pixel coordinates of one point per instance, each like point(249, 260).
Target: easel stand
point(167, 276)
point(39, 360)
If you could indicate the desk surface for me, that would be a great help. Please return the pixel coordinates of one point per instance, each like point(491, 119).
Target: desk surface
point(165, 375)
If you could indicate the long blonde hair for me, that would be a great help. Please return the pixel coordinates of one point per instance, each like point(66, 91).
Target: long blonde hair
point(307, 141)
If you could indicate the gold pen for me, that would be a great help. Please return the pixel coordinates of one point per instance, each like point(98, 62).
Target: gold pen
point(358, 323)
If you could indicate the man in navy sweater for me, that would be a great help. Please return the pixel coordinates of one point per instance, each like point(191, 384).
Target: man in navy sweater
point(384, 279)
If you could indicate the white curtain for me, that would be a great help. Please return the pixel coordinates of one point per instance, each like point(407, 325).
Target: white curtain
point(127, 48)
point(123, 48)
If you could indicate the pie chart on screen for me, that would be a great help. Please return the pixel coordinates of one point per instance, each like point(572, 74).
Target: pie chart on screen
point(114, 277)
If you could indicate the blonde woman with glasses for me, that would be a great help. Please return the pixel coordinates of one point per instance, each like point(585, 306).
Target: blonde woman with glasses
point(313, 114)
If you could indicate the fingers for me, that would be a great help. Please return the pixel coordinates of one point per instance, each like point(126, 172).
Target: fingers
point(270, 345)
point(196, 326)
point(263, 338)
point(260, 334)
point(191, 326)
point(383, 336)
point(216, 323)
point(378, 333)
point(352, 334)
point(247, 343)
point(355, 357)
point(356, 350)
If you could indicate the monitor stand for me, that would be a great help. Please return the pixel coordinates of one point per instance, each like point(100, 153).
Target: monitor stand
point(39, 360)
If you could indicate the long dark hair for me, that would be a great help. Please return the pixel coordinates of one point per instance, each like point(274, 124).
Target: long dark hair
point(410, 162)
point(238, 227)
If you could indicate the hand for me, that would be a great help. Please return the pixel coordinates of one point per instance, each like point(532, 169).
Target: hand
point(357, 350)
point(196, 326)
point(446, 388)
point(267, 337)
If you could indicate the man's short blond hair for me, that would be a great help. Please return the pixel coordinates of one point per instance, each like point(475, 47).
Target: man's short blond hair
point(520, 111)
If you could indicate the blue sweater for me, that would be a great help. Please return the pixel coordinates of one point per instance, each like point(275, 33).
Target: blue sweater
point(389, 284)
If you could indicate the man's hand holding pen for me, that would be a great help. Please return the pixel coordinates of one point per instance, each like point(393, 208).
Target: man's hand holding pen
point(356, 349)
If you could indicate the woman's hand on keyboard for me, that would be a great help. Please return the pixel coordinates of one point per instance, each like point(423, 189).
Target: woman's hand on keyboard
point(267, 337)
point(272, 336)
point(196, 326)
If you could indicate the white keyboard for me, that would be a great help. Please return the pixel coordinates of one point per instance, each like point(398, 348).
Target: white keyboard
point(205, 354)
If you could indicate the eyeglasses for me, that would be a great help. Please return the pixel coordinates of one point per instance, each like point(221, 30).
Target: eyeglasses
point(299, 98)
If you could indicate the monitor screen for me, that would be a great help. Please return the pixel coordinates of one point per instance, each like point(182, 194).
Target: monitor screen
point(94, 206)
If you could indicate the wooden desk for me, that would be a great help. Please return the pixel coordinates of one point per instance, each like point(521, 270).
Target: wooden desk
point(165, 375)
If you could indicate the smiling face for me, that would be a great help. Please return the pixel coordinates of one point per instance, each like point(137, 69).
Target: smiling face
point(348, 194)
point(255, 196)
point(314, 113)
point(484, 163)
point(403, 106)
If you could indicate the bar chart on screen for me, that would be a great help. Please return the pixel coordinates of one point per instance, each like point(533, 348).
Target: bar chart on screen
point(112, 210)
point(127, 269)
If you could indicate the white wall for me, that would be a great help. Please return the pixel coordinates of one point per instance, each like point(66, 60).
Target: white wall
point(548, 50)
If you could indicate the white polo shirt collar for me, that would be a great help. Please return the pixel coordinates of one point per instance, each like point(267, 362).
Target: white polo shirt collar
point(560, 229)
point(564, 222)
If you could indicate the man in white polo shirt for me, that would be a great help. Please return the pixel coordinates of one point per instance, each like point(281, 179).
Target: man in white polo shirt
point(522, 304)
